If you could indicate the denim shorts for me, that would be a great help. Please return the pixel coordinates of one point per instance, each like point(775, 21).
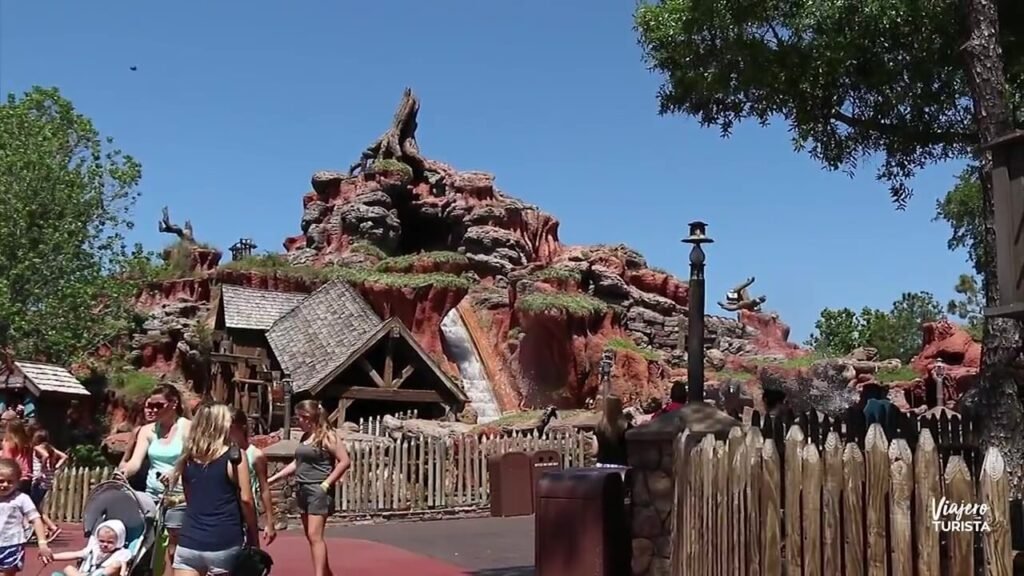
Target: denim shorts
point(219, 562)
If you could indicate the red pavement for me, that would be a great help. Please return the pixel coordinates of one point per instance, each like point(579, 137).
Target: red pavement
point(291, 556)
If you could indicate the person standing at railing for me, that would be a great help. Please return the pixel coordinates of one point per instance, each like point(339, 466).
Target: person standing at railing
point(320, 462)
point(162, 443)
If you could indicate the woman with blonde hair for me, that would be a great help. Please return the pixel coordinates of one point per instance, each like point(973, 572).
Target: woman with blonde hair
point(220, 515)
point(320, 462)
point(611, 434)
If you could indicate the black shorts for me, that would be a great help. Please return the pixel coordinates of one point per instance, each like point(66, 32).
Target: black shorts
point(313, 500)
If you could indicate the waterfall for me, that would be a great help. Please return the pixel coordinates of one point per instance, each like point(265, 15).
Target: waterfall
point(471, 369)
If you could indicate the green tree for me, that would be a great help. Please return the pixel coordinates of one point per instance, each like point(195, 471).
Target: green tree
point(66, 196)
point(963, 209)
point(836, 332)
point(969, 306)
point(895, 333)
point(905, 82)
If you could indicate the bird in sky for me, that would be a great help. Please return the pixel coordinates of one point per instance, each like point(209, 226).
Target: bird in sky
point(134, 68)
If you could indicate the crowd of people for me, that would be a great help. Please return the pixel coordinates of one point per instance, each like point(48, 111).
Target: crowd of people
point(200, 472)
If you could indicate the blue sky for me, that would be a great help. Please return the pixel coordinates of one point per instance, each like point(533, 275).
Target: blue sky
point(234, 106)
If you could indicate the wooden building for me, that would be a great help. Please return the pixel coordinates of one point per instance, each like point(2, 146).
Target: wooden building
point(337, 350)
point(243, 369)
point(46, 391)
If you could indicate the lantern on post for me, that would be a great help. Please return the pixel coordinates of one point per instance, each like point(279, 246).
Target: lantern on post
point(695, 333)
point(1008, 200)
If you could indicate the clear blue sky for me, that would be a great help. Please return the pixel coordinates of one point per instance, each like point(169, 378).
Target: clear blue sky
point(234, 106)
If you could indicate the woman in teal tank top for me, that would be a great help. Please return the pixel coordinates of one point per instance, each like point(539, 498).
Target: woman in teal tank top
point(162, 443)
point(257, 474)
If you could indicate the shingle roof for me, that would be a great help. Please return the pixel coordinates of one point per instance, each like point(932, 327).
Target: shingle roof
point(50, 378)
point(319, 334)
point(252, 309)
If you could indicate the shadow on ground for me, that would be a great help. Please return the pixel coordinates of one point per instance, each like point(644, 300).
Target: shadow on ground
point(516, 571)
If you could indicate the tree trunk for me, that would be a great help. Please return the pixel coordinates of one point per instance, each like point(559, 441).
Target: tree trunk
point(997, 394)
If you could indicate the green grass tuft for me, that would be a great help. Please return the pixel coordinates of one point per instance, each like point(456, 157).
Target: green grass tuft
point(726, 375)
point(901, 374)
point(277, 263)
point(557, 273)
point(405, 262)
point(627, 344)
point(368, 249)
point(393, 167)
point(131, 384)
point(394, 280)
point(575, 304)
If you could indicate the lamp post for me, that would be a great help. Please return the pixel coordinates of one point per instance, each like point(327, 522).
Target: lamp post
point(286, 385)
point(607, 360)
point(695, 328)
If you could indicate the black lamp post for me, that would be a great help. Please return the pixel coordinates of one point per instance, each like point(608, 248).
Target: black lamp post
point(939, 376)
point(607, 360)
point(286, 385)
point(695, 332)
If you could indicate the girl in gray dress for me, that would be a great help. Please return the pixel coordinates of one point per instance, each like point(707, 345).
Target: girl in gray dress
point(320, 461)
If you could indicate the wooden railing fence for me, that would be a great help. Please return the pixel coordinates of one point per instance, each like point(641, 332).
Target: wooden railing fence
point(374, 425)
point(745, 509)
point(410, 474)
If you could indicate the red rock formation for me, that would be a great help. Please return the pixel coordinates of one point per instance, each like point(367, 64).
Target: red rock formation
point(951, 344)
point(772, 334)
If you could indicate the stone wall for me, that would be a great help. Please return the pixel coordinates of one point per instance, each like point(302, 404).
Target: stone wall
point(653, 495)
point(651, 449)
point(282, 494)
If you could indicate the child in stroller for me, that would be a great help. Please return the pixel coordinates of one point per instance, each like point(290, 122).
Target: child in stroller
point(104, 555)
point(113, 504)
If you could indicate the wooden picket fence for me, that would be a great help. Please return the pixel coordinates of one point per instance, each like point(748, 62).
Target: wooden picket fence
point(410, 474)
point(71, 487)
point(742, 510)
point(425, 473)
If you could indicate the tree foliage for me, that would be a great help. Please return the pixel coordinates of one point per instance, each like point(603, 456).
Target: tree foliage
point(66, 194)
point(852, 78)
point(963, 209)
point(969, 306)
point(896, 333)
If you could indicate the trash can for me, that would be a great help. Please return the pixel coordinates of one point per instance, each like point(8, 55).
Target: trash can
point(511, 480)
point(581, 524)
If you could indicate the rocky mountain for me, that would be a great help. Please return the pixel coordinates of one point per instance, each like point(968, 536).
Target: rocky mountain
point(420, 238)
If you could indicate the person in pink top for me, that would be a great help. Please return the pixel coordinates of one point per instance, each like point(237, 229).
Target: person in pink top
point(18, 447)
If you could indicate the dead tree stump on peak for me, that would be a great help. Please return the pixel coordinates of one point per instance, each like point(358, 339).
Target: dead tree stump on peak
point(184, 234)
point(398, 142)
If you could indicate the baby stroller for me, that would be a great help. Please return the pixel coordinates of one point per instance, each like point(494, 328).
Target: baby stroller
point(115, 500)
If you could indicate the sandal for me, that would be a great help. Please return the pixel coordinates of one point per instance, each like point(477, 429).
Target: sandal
point(51, 536)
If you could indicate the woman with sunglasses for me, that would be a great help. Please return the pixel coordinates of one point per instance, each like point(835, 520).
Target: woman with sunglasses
point(320, 462)
point(162, 442)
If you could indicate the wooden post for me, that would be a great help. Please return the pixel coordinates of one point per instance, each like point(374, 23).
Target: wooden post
point(1008, 198)
point(389, 359)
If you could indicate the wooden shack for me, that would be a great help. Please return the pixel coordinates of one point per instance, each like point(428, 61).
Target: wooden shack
point(337, 350)
point(243, 370)
point(46, 391)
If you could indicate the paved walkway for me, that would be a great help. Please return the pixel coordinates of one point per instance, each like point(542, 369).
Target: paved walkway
point(463, 547)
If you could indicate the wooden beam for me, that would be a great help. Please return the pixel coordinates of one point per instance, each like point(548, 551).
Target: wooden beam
point(372, 372)
point(390, 394)
point(389, 359)
point(338, 416)
point(406, 372)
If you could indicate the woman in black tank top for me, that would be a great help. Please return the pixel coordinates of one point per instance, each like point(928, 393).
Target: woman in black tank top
point(220, 517)
point(320, 461)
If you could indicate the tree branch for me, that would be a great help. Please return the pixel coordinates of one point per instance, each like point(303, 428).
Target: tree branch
point(886, 129)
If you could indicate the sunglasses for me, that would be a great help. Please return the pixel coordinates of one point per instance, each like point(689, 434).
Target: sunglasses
point(154, 406)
